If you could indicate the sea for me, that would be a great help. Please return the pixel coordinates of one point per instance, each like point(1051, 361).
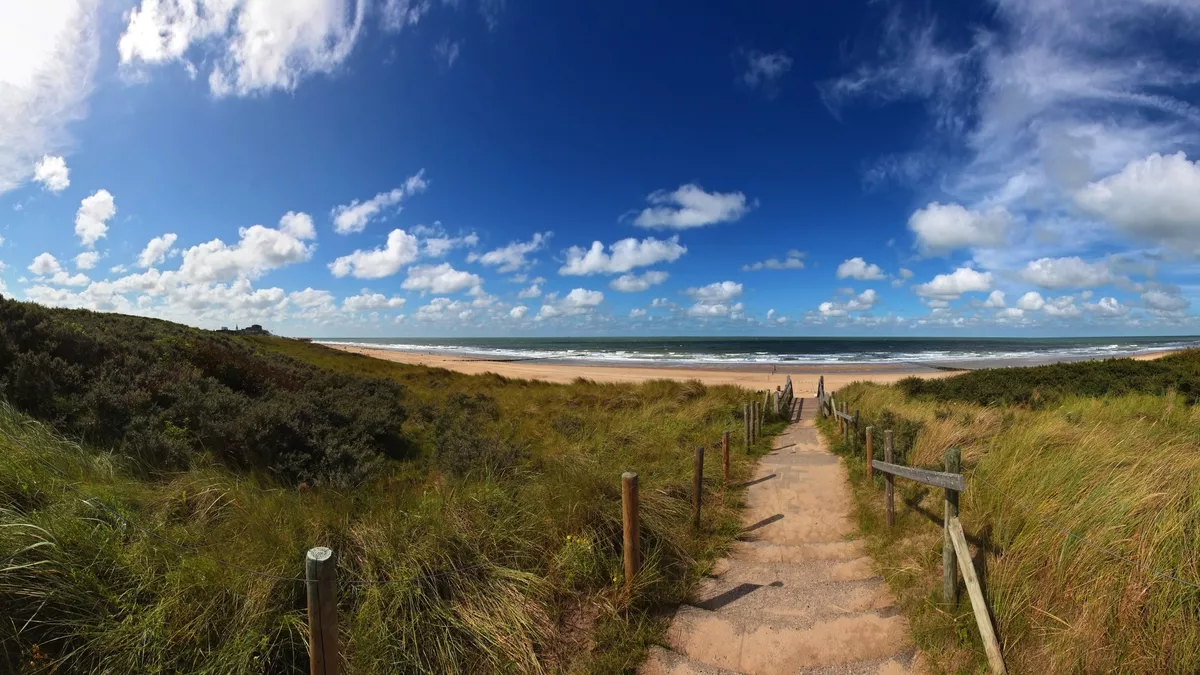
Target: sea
point(784, 351)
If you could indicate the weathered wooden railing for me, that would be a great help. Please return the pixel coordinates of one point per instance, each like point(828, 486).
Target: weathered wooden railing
point(955, 554)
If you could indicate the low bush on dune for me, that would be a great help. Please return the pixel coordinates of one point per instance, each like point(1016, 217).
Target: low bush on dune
point(476, 520)
point(1041, 386)
point(166, 394)
point(1079, 505)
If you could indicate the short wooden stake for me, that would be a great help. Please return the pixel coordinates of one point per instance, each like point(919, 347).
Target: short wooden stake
point(698, 487)
point(949, 564)
point(889, 481)
point(870, 455)
point(320, 573)
point(725, 456)
point(629, 518)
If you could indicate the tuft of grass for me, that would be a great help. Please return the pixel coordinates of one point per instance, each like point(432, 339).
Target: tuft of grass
point(1078, 512)
point(497, 538)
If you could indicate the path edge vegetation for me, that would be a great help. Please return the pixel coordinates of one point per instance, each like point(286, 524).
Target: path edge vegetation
point(1067, 467)
point(495, 522)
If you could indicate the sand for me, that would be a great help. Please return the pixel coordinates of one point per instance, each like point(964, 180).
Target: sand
point(804, 378)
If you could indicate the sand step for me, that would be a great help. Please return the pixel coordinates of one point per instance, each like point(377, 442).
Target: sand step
point(666, 662)
point(796, 575)
point(778, 646)
point(766, 551)
point(900, 664)
point(800, 606)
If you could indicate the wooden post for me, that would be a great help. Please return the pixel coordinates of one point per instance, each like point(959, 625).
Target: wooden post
point(983, 618)
point(629, 518)
point(320, 573)
point(949, 564)
point(889, 481)
point(766, 406)
point(698, 487)
point(725, 456)
point(746, 423)
point(870, 455)
point(854, 431)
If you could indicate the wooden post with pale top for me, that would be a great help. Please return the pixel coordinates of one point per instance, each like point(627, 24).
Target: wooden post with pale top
point(320, 574)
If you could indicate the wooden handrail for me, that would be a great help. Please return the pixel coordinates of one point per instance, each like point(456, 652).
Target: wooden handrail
point(949, 481)
point(983, 617)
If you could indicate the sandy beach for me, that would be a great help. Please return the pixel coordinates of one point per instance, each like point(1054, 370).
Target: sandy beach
point(804, 378)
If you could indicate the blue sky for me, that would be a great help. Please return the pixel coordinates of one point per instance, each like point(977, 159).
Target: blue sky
point(526, 167)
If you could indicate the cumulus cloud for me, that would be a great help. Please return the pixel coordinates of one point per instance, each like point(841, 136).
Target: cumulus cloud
point(534, 291)
point(49, 61)
point(353, 217)
point(860, 303)
point(1155, 198)
point(259, 249)
point(438, 246)
point(715, 299)
point(1070, 272)
point(44, 264)
point(441, 309)
point(637, 313)
point(951, 286)
point(367, 301)
point(626, 255)
point(995, 299)
point(48, 270)
point(311, 297)
point(857, 268)
point(578, 301)
point(941, 228)
point(1031, 302)
point(156, 250)
point(690, 206)
point(401, 249)
point(518, 312)
point(794, 260)
point(440, 279)
point(512, 258)
point(1164, 302)
point(87, 260)
point(255, 45)
point(51, 171)
point(1107, 307)
point(632, 283)
point(93, 215)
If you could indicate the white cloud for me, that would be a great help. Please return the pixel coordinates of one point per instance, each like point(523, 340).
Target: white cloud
point(87, 260)
point(511, 258)
point(715, 299)
point(1163, 301)
point(94, 212)
point(902, 277)
point(439, 279)
point(632, 283)
point(44, 264)
point(953, 285)
point(367, 301)
point(156, 250)
point(51, 171)
point(1107, 307)
point(794, 260)
point(941, 228)
point(518, 312)
point(1062, 307)
point(995, 299)
point(1031, 302)
point(353, 217)
point(860, 303)
point(637, 313)
point(440, 309)
point(533, 291)
point(438, 246)
point(578, 301)
point(690, 206)
point(396, 14)
point(1070, 272)
point(445, 51)
point(857, 268)
point(1156, 198)
point(259, 249)
point(311, 298)
point(401, 249)
point(627, 254)
point(764, 69)
point(48, 55)
point(255, 45)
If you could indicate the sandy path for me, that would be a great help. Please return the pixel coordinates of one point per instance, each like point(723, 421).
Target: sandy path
point(804, 378)
point(798, 594)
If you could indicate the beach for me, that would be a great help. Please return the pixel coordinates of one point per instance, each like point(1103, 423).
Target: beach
point(804, 377)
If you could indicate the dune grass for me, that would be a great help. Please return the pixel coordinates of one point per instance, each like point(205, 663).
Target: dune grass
point(498, 536)
point(1119, 471)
